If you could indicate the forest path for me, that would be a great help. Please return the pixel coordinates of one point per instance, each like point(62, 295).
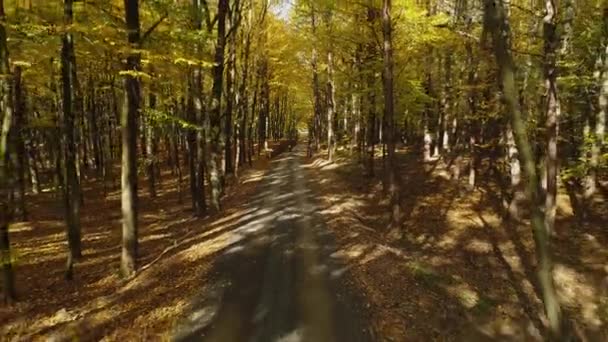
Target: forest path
point(278, 281)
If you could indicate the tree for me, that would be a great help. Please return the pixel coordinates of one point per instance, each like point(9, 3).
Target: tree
point(497, 24)
point(128, 121)
point(8, 280)
point(71, 186)
point(394, 183)
point(197, 139)
point(212, 121)
point(551, 42)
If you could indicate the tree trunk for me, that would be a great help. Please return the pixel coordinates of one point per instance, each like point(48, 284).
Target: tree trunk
point(446, 102)
point(130, 109)
point(150, 147)
point(331, 106)
point(315, 86)
point(393, 179)
point(213, 115)
point(552, 112)
point(264, 106)
point(230, 87)
point(496, 22)
point(598, 133)
point(19, 130)
point(371, 126)
point(244, 106)
point(71, 187)
point(8, 278)
point(198, 146)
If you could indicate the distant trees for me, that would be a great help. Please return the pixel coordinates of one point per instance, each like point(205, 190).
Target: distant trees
point(525, 129)
point(198, 90)
point(223, 78)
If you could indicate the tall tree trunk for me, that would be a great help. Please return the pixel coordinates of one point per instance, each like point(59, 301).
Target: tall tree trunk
point(150, 147)
point(472, 80)
point(131, 105)
point(598, 133)
point(197, 140)
point(230, 87)
point(496, 22)
point(244, 106)
point(315, 85)
point(552, 111)
point(19, 130)
point(264, 106)
point(215, 107)
point(446, 105)
point(71, 188)
point(191, 135)
point(371, 125)
point(393, 178)
point(201, 204)
point(8, 279)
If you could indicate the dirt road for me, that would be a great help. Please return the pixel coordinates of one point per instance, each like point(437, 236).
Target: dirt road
point(278, 281)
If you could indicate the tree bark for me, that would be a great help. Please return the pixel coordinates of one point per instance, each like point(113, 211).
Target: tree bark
point(19, 130)
point(131, 105)
point(8, 278)
point(331, 106)
point(151, 147)
point(393, 179)
point(230, 87)
point(552, 113)
point(215, 108)
point(598, 133)
point(71, 187)
point(315, 84)
point(197, 140)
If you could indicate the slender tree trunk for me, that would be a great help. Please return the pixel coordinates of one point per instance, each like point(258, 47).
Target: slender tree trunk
point(472, 80)
point(496, 22)
point(518, 195)
point(446, 102)
point(427, 135)
point(598, 133)
point(315, 86)
point(552, 112)
point(71, 180)
point(230, 88)
point(215, 108)
point(394, 182)
point(331, 106)
point(8, 278)
point(131, 105)
point(19, 130)
point(244, 107)
point(150, 147)
point(371, 125)
point(264, 112)
point(191, 135)
point(197, 140)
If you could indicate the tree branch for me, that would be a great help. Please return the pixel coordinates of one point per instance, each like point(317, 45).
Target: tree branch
point(152, 28)
point(210, 23)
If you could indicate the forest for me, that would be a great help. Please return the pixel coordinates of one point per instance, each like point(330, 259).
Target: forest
point(304, 170)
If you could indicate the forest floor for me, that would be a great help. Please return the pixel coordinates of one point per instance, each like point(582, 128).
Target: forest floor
point(177, 253)
point(460, 272)
point(301, 242)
